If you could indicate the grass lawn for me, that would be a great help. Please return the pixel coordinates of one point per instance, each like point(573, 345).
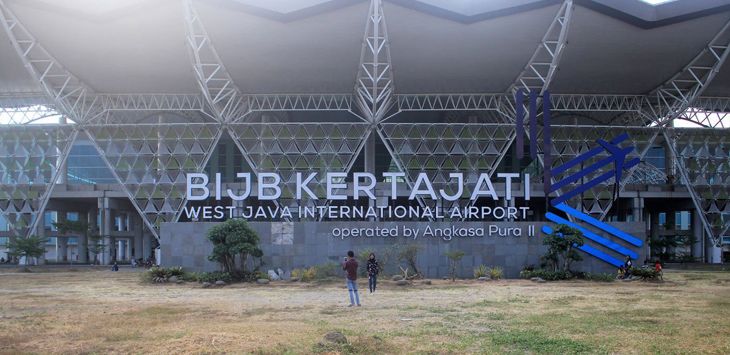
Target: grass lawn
point(97, 311)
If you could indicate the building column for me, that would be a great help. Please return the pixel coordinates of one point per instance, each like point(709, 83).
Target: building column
point(41, 232)
point(138, 244)
point(714, 254)
point(638, 209)
point(369, 151)
point(146, 245)
point(699, 233)
point(654, 230)
point(106, 229)
point(62, 249)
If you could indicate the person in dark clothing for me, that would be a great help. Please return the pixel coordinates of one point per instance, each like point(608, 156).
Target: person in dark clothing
point(350, 266)
point(628, 265)
point(115, 267)
point(373, 270)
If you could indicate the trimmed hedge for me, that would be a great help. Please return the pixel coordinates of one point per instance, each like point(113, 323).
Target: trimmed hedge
point(561, 275)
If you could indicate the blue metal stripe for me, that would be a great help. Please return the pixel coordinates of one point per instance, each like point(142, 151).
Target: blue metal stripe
point(590, 184)
point(592, 236)
point(591, 168)
point(601, 255)
point(587, 155)
point(598, 224)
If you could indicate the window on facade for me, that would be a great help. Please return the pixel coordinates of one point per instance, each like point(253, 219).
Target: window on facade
point(682, 220)
point(4, 227)
point(49, 218)
point(72, 216)
point(85, 166)
point(656, 156)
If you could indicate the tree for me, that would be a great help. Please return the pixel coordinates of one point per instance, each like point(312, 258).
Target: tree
point(454, 259)
point(409, 254)
point(95, 247)
point(92, 241)
point(31, 247)
point(233, 238)
point(562, 244)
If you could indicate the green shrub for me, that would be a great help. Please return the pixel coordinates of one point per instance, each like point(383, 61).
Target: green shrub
point(546, 274)
point(480, 271)
point(304, 275)
point(175, 271)
point(600, 277)
point(327, 270)
point(496, 272)
point(214, 276)
point(645, 273)
point(317, 272)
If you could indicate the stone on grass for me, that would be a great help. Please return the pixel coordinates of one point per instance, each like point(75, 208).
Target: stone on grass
point(335, 337)
point(172, 279)
point(205, 284)
point(538, 279)
point(426, 282)
point(220, 283)
point(483, 278)
point(402, 282)
point(262, 281)
point(180, 281)
point(273, 275)
point(397, 277)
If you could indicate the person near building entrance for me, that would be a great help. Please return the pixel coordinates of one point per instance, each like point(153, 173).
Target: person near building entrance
point(373, 270)
point(350, 266)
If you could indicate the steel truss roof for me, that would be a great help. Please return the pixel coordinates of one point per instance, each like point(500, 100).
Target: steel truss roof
point(224, 108)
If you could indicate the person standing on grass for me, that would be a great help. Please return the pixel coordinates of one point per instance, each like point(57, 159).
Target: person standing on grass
point(373, 270)
point(350, 266)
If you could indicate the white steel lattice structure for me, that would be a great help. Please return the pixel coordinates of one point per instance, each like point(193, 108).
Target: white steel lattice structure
point(150, 137)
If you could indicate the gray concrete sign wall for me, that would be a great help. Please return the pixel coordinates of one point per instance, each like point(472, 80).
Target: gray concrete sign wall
point(289, 245)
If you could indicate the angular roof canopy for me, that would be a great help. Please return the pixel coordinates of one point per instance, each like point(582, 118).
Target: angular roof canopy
point(307, 46)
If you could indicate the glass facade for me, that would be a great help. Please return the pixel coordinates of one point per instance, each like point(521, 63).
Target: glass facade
point(85, 166)
point(656, 156)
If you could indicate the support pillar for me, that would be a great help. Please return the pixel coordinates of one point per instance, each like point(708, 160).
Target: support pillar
point(714, 253)
point(369, 151)
point(62, 249)
point(41, 232)
point(146, 245)
point(138, 225)
point(637, 209)
point(106, 228)
point(654, 232)
point(699, 234)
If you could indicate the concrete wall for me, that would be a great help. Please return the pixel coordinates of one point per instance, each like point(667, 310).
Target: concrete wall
point(289, 245)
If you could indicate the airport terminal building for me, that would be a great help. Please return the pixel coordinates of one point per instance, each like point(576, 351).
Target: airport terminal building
point(460, 125)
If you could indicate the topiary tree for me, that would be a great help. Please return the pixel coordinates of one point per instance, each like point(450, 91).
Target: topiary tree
point(454, 259)
point(562, 244)
point(231, 239)
point(31, 247)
